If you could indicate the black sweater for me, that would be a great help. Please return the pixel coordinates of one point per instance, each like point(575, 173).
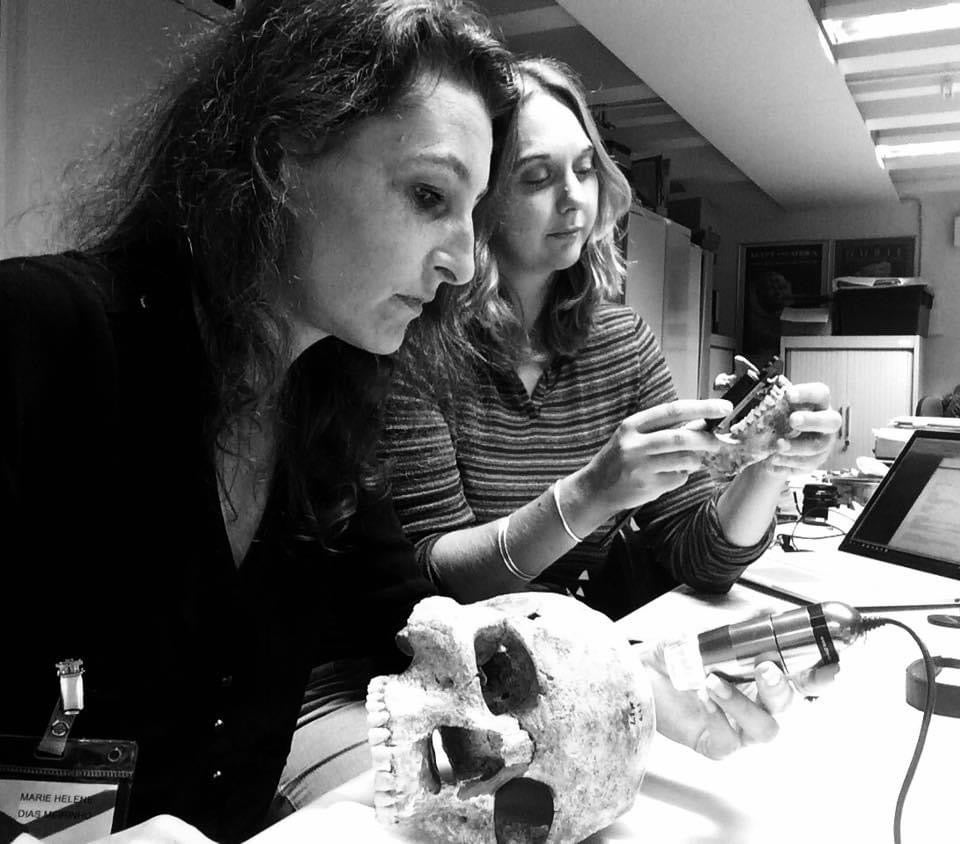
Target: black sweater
point(113, 549)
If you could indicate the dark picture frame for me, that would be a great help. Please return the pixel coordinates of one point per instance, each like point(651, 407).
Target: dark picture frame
point(875, 256)
point(774, 276)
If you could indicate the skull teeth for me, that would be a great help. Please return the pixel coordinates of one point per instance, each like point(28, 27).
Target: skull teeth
point(378, 718)
point(754, 437)
point(382, 758)
point(384, 779)
point(385, 805)
point(384, 782)
point(378, 735)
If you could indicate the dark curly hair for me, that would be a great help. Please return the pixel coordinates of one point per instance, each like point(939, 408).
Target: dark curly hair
point(200, 178)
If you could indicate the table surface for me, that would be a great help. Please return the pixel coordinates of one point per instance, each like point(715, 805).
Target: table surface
point(832, 774)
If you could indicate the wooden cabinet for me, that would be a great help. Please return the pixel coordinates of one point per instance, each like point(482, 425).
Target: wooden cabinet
point(871, 380)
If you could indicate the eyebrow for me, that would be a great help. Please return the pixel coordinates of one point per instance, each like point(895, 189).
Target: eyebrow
point(451, 162)
point(538, 156)
point(448, 160)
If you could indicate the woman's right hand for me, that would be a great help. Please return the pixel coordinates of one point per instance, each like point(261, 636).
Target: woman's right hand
point(160, 829)
point(650, 453)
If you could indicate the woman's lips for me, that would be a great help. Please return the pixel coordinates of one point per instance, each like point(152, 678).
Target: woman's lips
point(413, 302)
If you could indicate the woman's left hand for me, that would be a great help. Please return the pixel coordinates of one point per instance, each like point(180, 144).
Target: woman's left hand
point(815, 425)
point(726, 719)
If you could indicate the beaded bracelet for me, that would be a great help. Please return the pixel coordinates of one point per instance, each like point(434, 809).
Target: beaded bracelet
point(508, 562)
point(563, 521)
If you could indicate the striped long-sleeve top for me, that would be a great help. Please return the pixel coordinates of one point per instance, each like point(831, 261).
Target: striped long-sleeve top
point(498, 447)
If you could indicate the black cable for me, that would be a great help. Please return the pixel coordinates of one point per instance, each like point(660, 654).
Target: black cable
point(793, 533)
point(928, 705)
point(847, 516)
point(953, 605)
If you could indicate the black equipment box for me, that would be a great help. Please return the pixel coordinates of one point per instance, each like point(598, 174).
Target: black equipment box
point(903, 309)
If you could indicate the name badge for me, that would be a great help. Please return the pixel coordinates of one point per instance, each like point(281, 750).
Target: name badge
point(75, 798)
point(62, 790)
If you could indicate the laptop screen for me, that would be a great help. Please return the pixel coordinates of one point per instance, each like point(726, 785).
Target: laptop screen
point(913, 517)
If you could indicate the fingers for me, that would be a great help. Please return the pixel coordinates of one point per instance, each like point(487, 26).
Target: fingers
point(816, 421)
point(815, 681)
point(803, 453)
point(671, 441)
point(814, 394)
point(745, 721)
point(676, 413)
point(774, 690)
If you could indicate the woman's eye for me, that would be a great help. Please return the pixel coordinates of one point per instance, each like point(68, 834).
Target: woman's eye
point(585, 169)
point(536, 177)
point(427, 198)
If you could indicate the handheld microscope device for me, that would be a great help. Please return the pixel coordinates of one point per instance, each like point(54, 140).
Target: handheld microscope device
point(796, 640)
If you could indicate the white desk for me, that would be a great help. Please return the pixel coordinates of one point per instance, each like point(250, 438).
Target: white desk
point(831, 776)
point(833, 773)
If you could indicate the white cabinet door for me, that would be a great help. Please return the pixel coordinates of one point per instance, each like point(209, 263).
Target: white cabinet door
point(646, 266)
point(681, 335)
point(879, 387)
point(871, 380)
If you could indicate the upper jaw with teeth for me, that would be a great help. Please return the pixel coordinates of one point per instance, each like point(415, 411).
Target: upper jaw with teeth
point(406, 776)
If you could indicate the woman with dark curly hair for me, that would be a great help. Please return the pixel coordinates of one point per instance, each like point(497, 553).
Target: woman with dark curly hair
point(570, 418)
point(190, 399)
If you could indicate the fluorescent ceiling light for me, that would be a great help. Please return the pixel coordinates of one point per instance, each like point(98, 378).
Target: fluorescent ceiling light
point(931, 19)
point(921, 148)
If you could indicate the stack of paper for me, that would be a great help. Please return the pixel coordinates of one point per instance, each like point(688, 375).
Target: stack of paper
point(843, 281)
point(888, 441)
point(804, 321)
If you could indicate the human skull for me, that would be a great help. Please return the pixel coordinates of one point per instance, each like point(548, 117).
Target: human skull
point(541, 709)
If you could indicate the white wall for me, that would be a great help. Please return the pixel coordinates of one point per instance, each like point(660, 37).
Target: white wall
point(748, 216)
point(67, 66)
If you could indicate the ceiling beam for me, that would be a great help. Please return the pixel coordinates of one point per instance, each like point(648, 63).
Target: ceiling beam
point(911, 111)
point(840, 9)
point(541, 19)
point(916, 162)
point(918, 135)
point(680, 134)
point(878, 54)
point(917, 85)
point(624, 93)
point(652, 115)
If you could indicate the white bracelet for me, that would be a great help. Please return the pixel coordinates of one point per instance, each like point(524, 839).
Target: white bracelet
point(563, 521)
point(508, 562)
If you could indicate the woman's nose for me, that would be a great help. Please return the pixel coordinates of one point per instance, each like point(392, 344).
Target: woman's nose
point(455, 259)
point(570, 193)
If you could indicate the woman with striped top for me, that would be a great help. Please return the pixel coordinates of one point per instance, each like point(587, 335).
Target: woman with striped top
point(569, 417)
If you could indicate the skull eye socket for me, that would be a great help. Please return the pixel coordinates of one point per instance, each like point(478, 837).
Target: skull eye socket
point(508, 674)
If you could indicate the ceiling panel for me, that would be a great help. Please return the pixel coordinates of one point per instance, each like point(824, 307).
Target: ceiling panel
point(907, 88)
point(628, 110)
point(751, 90)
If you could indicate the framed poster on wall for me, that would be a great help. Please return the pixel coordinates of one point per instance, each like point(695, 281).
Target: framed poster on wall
point(777, 275)
point(875, 256)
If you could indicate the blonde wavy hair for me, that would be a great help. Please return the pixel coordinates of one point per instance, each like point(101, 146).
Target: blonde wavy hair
point(576, 292)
